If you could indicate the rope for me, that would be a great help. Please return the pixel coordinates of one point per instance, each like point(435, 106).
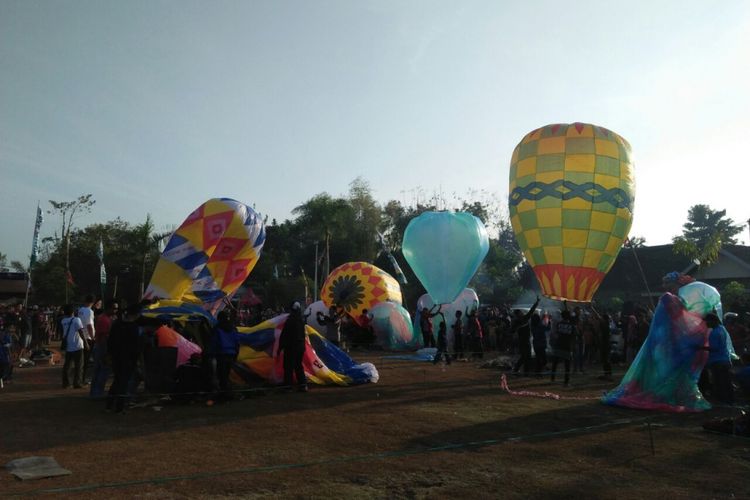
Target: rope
point(545, 394)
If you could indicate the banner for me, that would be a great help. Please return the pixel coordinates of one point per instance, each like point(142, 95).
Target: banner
point(35, 241)
point(102, 269)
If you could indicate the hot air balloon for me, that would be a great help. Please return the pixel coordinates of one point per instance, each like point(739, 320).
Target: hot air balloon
point(571, 200)
point(209, 255)
point(445, 249)
point(356, 286)
point(392, 326)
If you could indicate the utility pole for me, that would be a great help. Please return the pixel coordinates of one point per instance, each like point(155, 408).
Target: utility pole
point(315, 291)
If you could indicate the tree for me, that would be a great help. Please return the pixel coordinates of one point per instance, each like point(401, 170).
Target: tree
point(367, 217)
point(3, 261)
point(635, 242)
point(735, 297)
point(704, 234)
point(328, 221)
point(17, 266)
point(68, 211)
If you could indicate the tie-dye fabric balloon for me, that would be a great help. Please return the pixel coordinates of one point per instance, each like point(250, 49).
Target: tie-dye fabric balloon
point(664, 375)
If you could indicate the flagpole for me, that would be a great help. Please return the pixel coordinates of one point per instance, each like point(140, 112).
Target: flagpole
point(34, 251)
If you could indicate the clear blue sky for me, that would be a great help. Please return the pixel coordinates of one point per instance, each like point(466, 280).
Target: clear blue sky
point(156, 106)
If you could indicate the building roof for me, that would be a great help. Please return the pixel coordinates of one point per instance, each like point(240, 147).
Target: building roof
point(628, 279)
point(12, 285)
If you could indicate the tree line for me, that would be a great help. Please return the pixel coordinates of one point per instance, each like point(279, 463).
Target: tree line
point(324, 232)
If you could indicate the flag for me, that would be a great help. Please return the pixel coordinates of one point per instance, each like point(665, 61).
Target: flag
point(102, 269)
point(69, 278)
point(250, 298)
point(35, 241)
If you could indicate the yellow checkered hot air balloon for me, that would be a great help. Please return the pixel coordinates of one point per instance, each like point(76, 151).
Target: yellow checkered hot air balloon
point(572, 190)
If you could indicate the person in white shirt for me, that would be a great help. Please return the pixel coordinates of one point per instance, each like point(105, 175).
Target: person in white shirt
point(73, 343)
point(86, 315)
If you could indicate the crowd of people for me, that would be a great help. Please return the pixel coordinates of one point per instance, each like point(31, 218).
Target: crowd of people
point(100, 342)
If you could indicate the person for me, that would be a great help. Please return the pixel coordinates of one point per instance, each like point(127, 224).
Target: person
point(425, 324)
point(603, 323)
point(73, 342)
point(579, 341)
point(458, 336)
point(442, 345)
point(719, 362)
point(474, 333)
point(123, 347)
point(366, 334)
point(332, 322)
point(189, 380)
point(103, 325)
point(6, 366)
point(86, 315)
point(226, 346)
point(563, 345)
point(292, 343)
point(539, 338)
point(522, 328)
point(630, 333)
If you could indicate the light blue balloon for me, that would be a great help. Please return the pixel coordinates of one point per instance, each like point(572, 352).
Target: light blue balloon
point(445, 249)
point(392, 326)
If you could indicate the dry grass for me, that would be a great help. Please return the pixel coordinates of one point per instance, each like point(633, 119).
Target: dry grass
point(422, 432)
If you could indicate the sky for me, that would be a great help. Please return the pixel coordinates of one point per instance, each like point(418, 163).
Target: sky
point(156, 106)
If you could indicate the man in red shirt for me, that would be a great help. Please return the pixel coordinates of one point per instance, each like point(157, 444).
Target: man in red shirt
point(102, 326)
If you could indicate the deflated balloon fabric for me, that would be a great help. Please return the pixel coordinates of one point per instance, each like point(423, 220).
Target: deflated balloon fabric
point(445, 249)
point(323, 362)
point(392, 326)
point(664, 375)
point(209, 256)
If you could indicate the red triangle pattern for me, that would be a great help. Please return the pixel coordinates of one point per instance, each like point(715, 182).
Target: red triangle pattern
point(227, 249)
point(214, 227)
point(236, 272)
point(578, 126)
point(194, 216)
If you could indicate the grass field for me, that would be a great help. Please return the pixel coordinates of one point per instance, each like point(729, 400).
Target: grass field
point(421, 432)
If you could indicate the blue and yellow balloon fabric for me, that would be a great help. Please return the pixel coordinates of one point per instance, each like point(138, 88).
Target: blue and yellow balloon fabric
point(209, 255)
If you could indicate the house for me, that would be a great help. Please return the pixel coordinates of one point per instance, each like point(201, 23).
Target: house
point(13, 287)
point(637, 272)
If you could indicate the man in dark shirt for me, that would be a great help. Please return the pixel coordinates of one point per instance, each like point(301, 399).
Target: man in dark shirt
point(563, 345)
point(522, 328)
point(292, 345)
point(123, 346)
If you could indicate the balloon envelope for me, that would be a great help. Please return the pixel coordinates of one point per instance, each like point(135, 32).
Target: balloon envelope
point(467, 300)
point(700, 298)
point(356, 286)
point(445, 249)
point(311, 313)
point(209, 255)
point(571, 199)
point(392, 326)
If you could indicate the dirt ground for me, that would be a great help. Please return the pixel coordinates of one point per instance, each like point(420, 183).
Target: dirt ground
point(423, 431)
